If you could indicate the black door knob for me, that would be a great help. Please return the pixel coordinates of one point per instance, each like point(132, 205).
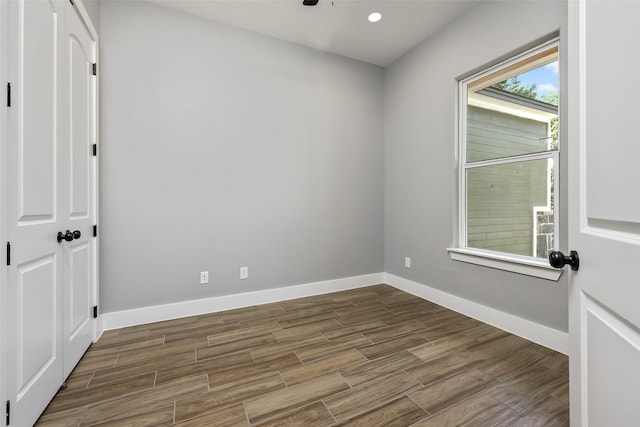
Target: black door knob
point(68, 236)
point(558, 260)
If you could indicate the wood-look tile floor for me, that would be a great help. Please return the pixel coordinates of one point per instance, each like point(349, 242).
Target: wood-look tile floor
point(373, 356)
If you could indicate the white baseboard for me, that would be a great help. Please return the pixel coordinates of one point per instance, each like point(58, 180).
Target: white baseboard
point(139, 316)
point(540, 334)
point(543, 335)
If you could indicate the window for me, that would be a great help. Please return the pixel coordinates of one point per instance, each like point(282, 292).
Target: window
point(509, 162)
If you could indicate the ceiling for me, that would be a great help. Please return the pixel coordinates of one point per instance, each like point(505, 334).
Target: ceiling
point(337, 26)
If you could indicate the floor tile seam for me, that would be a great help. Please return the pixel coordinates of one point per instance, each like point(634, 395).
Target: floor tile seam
point(490, 393)
point(480, 366)
point(93, 374)
point(365, 357)
point(215, 356)
point(183, 331)
point(512, 378)
point(404, 370)
point(175, 404)
point(207, 372)
point(342, 336)
point(302, 335)
point(209, 345)
point(246, 414)
point(153, 327)
point(399, 336)
point(116, 416)
point(72, 395)
point(253, 356)
point(331, 353)
point(484, 390)
point(103, 352)
point(530, 403)
point(502, 381)
point(429, 414)
point(379, 404)
point(285, 327)
point(95, 404)
point(367, 319)
point(531, 410)
point(195, 355)
point(216, 409)
point(211, 410)
point(335, 421)
point(284, 414)
point(141, 364)
point(96, 346)
point(115, 362)
point(169, 353)
point(291, 410)
point(366, 383)
point(351, 387)
point(84, 408)
point(434, 356)
point(283, 380)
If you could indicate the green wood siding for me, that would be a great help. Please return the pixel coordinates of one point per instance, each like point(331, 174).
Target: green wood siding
point(500, 198)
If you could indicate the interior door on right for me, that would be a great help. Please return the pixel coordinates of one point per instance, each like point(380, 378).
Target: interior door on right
point(79, 213)
point(604, 212)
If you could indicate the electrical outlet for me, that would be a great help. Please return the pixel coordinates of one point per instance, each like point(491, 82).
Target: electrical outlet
point(244, 273)
point(407, 262)
point(204, 277)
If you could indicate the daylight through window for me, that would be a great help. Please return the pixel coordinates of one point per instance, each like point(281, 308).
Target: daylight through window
point(509, 155)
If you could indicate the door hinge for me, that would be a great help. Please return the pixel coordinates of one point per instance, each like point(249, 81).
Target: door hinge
point(8, 253)
point(94, 149)
point(94, 69)
point(95, 230)
point(95, 311)
point(8, 94)
point(8, 412)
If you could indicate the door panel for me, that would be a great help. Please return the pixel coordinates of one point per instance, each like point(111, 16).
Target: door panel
point(35, 138)
point(79, 214)
point(604, 213)
point(618, 375)
point(79, 299)
point(38, 141)
point(607, 195)
point(80, 94)
point(37, 320)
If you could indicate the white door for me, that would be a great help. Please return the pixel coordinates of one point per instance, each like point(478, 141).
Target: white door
point(51, 188)
point(604, 215)
point(78, 214)
point(35, 274)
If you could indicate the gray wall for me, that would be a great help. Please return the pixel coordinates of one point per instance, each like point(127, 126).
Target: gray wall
point(421, 185)
point(221, 148)
point(93, 9)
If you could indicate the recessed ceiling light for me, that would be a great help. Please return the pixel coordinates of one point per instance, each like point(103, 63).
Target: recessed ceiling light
point(375, 17)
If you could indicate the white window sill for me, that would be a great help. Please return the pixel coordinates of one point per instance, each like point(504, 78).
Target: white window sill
point(501, 261)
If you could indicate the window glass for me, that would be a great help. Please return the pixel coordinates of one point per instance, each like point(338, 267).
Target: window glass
point(510, 145)
point(509, 208)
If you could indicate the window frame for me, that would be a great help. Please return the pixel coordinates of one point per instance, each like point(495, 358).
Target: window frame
point(528, 265)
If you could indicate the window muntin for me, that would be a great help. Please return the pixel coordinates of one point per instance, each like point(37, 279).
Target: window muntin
point(509, 156)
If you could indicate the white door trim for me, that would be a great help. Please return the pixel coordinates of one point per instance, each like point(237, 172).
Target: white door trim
point(3, 198)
